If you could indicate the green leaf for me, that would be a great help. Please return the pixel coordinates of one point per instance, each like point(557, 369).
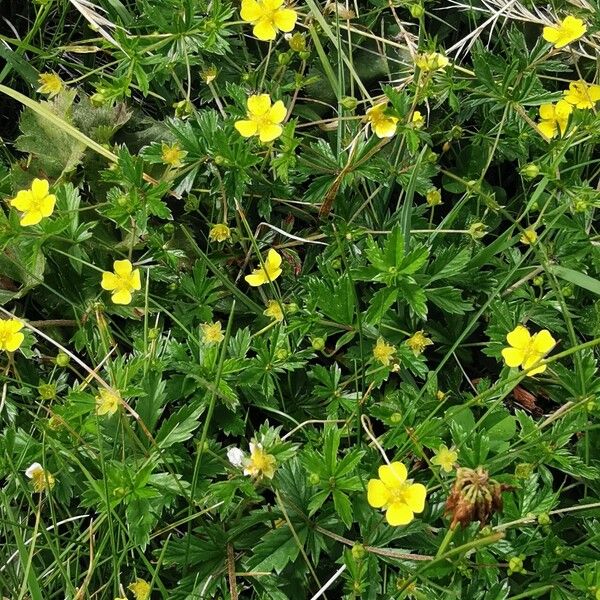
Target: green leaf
point(576, 278)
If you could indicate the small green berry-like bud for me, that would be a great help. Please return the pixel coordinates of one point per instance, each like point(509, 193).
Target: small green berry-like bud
point(538, 280)
point(153, 333)
point(62, 359)
point(47, 391)
point(544, 519)
point(313, 479)
point(434, 197)
point(349, 102)
point(284, 58)
point(358, 551)
point(477, 230)
point(305, 55)
point(523, 470)
point(530, 171)
point(515, 565)
point(416, 11)
point(396, 418)
point(318, 343)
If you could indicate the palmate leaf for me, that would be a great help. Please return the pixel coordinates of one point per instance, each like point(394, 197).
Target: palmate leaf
point(53, 150)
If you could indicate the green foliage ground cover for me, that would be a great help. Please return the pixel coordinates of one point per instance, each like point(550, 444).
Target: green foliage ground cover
point(253, 352)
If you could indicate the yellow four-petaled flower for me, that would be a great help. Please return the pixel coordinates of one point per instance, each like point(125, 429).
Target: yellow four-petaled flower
point(107, 402)
point(582, 95)
point(260, 463)
point(212, 333)
point(263, 119)
point(564, 32)
point(445, 458)
point(268, 17)
point(270, 272)
point(401, 498)
point(35, 203)
point(382, 124)
point(383, 352)
point(122, 282)
point(526, 350)
point(554, 118)
point(10, 334)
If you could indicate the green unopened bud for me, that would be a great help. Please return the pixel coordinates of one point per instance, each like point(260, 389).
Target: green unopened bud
point(416, 11)
point(291, 308)
point(580, 205)
point(396, 418)
point(530, 171)
point(153, 333)
point(538, 280)
point(591, 406)
point(284, 58)
point(169, 228)
point(349, 102)
point(281, 354)
point(305, 55)
point(515, 565)
point(318, 343)
point(456, 132)
point(358, 551)
point(544, 519)
point(313, 479)
point(62, 359)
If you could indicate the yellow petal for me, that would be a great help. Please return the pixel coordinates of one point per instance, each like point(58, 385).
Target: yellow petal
point(31, 217)
point(246, 128)
point(537, 370)
point(22, 201)
point(122, 267)
point(550, 34)
point(135, 280)
point(547, 111)
point(269, 132)
point(415, 497)
point(122, 297)
point(548, 128)
point(40, 188)
point(259, 104)
point(256, 278)
point(519, 337)
point(14, 341)
point(277, 112)
point(393, 475)
point(285, 19)
point(47, 205)
point(399, 513)
point(513, 357)
point(109, 281)
point(272, 4)
point(14, 325)
point(250, 11)
point(543, 342)
point(386, 127)
point(377, 494)
point(273, 261)
point(265, 30)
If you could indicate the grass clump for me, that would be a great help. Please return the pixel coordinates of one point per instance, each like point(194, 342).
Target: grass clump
point(299, 300)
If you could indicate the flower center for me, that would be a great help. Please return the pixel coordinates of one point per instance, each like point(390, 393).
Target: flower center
point(398, 494)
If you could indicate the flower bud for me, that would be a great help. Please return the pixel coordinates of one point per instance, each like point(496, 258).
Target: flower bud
point(477, 230)
point(358, 551)
point(349, 102)
point(318, 343)
point(530, 171)
point(416, 11)
point(62, 359)
point(313, 479)
point(297, 42)
point(544, 519)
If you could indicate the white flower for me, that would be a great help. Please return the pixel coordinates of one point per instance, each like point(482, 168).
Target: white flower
point(235, 457)
point(34, 469)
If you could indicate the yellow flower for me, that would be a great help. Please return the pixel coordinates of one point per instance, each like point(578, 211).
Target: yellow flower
point(268, 17)
point(433, 197)
point(383, 125)
point(417, 119)
point(107, 402)
point(564, 32)
point(10, 334)
point(140, 589)
point(260, 463)
point(554, 118)
point(219, 232)
point(270, 272)
point(440, 395)
point(122, 282)
point(211, 333)
point(383, 352)
point(431, 61)
point(526, 350)
point(35, 203)
point(40, 478)
point(398, 496)
point(445, 458)
point(263, 119)
point(172, 155)
point(582, 95)
point(418, 342)
point(51, 84)
point(529, 237)
point(273, 310)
